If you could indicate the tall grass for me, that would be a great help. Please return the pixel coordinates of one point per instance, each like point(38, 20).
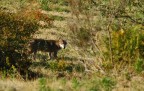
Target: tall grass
point(125, 46)
point(106, 37)
point(122, 41)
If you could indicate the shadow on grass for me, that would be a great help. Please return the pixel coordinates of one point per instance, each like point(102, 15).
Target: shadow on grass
point(40, 64)
point(30, 75)
point(27, 74)
point(60, 64)
point(44, 61)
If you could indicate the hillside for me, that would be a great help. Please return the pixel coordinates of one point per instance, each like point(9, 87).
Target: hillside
point(104, 49)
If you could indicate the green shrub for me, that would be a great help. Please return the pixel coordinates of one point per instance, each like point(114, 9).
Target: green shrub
point(61, 65)
point(45, 4)
point(79, 68)
point(53, 65)
point(102, 84)
point(141, 44)
point(76, 83)
point(15, 33)
point(139, 65)
point(108, 83)
point(42, 84)
point(126, 46)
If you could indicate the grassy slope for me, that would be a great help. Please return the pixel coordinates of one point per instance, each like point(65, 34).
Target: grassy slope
point(75, 81)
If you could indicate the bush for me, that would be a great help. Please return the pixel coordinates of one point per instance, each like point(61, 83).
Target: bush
point(108, 83)
point(126, 46)
point(139, 65)
point(15, 33)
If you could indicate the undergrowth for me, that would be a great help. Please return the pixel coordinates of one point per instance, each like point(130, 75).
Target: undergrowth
point(106, 38)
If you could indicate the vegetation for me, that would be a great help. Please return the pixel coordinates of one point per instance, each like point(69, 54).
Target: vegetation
point(15, 34)
point(105, 45)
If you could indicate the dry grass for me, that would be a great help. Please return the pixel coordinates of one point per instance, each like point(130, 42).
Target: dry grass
point(84, 84)
point(92, 78)
point(18, 85)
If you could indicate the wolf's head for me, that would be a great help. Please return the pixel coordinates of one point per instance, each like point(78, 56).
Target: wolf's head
point(62, 43)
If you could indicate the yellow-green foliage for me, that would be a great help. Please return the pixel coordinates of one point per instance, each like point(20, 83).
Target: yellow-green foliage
point(15, 32)
point(49, 4)
point(61, 65)
point(139, 65)
point(126, 46)
point(141, 43)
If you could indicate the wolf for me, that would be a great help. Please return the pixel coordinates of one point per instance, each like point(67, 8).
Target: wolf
point(50, 46)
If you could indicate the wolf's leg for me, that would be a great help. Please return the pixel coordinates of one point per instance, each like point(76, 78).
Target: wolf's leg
point(55, 54)
point(34, 56)
point(50, 55)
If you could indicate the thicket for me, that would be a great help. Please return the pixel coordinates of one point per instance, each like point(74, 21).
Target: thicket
point(15, 33)
point(113, 29)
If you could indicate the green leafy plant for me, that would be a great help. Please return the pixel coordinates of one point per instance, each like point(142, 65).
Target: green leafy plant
point(42, 84)
point(76, 83)
point(53, 65)
point(108, 83)
point(79, 68)
point(45, 4)
point(139, 65)
point(125, 46)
